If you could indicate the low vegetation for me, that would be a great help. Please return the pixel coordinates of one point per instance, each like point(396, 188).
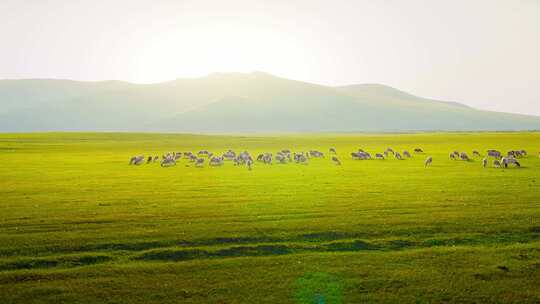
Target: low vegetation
point(79, 224)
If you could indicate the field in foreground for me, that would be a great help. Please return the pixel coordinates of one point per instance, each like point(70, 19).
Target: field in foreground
point(77, 224)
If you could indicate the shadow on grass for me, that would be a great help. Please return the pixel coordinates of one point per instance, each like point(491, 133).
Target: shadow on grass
point(71, 261)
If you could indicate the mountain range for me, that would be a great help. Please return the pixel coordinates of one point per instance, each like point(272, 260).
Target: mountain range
point(235, 102)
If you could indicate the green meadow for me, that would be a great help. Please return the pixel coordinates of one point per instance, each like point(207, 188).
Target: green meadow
point(80, 225)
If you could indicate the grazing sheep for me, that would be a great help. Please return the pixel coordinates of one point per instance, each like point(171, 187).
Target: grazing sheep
point(407, 154)
point(506, 161)
point(379, 156)
point(418, 150)
point(476, 153)
point(216, 161)
point(464, 156)
point(267, 158)
point(336, 161)
point(332, 150)
point(245, 156)
point(229, 155)
point(428, 161)
point(452, 156)
point(398, 156)
point(136, 160)
point(168, 162)
point(300, 158)
point(315, 153)
point(361, 155)
point(281, 158)
point(494, 153)
point(156, 158)
point(202, 152)
point(484, 162)
point(199, 162)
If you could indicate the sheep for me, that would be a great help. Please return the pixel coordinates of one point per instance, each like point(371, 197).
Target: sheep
point(336, 161)
point(315, 153)
point(361, 155)
point(168, 161)
point(136, 160)
point(464, 156)
point(216, 161)
point(280, 158)
point(379, 156)
point(199, 162)
point(494, 153)
point(418, 150)
point(332, 150)
point(476, 153)
point(507, 161)
point(398, 156)
point(267, 158)
point(300, 158)
point(428, 161)
point(407, 154)
point(229, 155)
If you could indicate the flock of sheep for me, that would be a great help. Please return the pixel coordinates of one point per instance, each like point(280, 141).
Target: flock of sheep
point(239, 159)
point(498, 159)
point(286, 156)
point(244, 158)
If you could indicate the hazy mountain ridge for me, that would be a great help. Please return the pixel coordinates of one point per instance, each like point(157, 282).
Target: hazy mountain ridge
point(234, 102)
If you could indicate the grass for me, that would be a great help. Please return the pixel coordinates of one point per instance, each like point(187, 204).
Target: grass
point(77, 224)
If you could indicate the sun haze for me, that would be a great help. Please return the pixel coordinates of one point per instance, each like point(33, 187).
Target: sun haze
point(482, 53)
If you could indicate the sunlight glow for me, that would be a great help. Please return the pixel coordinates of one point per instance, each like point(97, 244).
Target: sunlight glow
point(200, 51)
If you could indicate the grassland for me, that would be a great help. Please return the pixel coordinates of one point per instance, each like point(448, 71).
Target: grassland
point(77, 224)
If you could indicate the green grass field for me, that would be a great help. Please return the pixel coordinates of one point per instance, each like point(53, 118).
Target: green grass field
point(77, 224)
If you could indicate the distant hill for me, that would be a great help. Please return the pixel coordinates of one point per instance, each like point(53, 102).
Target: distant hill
point(235, 102)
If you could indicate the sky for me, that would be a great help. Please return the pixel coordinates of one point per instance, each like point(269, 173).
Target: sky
point(484, 53)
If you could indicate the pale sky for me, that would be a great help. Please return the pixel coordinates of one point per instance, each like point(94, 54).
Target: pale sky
point(485, 53)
